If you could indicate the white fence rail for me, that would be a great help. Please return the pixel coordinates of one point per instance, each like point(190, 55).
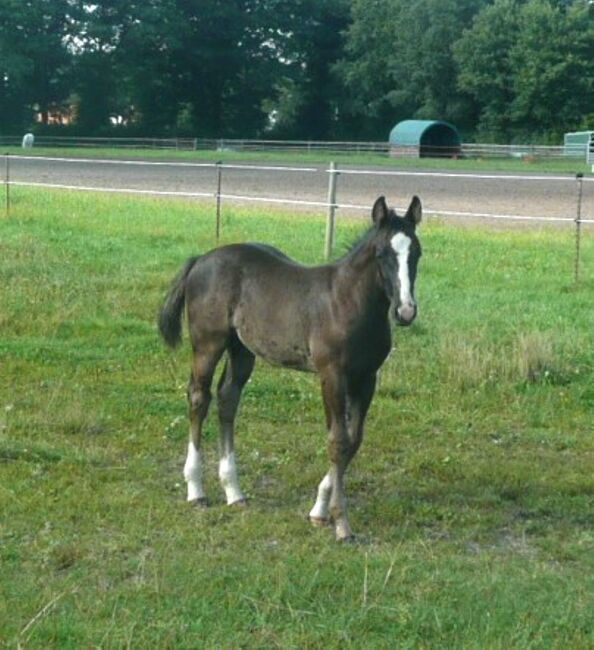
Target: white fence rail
point(331, 204)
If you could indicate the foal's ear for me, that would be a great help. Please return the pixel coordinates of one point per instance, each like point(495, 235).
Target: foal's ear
point(414, 213)
point(379, 211)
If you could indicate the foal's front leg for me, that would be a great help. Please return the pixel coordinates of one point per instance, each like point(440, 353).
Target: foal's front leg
point(334, 396)
point(360, 392)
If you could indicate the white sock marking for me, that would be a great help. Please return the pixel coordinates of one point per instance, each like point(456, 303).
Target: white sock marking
point(320, 509)
point(229, 480)
point(193, 473)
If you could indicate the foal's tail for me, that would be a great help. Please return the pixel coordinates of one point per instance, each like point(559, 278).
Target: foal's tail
point(170, 316)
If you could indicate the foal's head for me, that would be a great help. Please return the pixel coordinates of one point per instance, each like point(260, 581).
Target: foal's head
point(398, 250)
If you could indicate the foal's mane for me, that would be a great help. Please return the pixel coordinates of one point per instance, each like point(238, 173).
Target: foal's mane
point(358, 244)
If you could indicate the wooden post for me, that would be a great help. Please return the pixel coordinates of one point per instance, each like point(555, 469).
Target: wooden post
point(219, 166)
point(7, 181)
point(578, 225)
point(332, 178)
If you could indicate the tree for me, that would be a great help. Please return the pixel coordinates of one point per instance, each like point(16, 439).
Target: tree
point(486, 69)
point(207, 64)
point(529, 66)
point(310, 41)
point(96, 38)
point(224, 61)
point(150, 66)
point(400, 62)
point(34, 59)
point(553, 66)
point(429, 29)
point(372, 67)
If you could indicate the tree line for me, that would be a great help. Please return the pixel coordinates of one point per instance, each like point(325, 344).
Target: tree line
point(501, 70)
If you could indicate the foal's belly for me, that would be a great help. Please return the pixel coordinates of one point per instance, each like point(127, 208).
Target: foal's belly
point(275, 337)
point(277, 350)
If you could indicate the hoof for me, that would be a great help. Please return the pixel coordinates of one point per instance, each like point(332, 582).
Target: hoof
point(202, 502)
point(351, 540)
point(319, 522)
point(344, 533)
point(240, 503)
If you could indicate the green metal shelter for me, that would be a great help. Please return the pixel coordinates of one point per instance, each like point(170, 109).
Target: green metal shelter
point(425, 138)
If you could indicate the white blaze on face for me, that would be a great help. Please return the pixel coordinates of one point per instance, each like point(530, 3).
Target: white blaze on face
point(401, 245)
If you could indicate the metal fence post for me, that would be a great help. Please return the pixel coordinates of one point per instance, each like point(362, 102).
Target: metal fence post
point(7, 181)
point(578, 224)
point(333, 175)
point(219, 167)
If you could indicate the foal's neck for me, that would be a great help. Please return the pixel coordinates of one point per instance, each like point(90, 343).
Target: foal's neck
point(358, 274)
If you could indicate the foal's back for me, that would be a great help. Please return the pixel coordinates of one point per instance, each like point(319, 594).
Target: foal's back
point(271, 302)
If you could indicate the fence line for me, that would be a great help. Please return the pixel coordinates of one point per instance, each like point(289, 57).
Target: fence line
point(285, 201)
point(343, 171)
point(466, 149)
point(331, 170)
point(482, 215)
point(330, 204)
point(179, 144)
point(158, 163)
point(113, 190)
point(108, 161)
point(495, 177)
point(383, 148)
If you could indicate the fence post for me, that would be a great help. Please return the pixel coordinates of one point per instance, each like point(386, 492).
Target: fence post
point(578, 224)
point(332, 178)
point(219, 167)
point(7, 181)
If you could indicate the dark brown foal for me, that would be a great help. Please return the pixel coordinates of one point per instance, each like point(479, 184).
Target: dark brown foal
point(248, 300)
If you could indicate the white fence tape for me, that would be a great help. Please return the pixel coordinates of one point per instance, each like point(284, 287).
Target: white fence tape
point(158, 163)
point(457, 213)
point(460, 175)
point(121, 190)
point(288, 201)
point(103, 161)
point(341, 171)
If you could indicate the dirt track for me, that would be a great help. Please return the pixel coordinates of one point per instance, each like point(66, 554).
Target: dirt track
point(501, 194)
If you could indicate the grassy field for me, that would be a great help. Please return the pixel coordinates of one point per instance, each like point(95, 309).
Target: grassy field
point(472, 494)
point(526, 165)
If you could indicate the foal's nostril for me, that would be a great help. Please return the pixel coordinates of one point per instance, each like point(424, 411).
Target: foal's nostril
point(406, 314)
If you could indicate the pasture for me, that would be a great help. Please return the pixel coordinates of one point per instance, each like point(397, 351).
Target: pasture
point(472, 493)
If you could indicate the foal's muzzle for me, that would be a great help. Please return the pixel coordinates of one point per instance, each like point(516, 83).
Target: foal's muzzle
point(405, 314)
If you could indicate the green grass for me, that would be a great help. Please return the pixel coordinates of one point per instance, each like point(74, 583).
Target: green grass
point(472, 494)
point(527, 165)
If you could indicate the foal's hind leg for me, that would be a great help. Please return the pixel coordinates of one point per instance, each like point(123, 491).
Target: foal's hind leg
point(237, 371)
point(199, 397)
